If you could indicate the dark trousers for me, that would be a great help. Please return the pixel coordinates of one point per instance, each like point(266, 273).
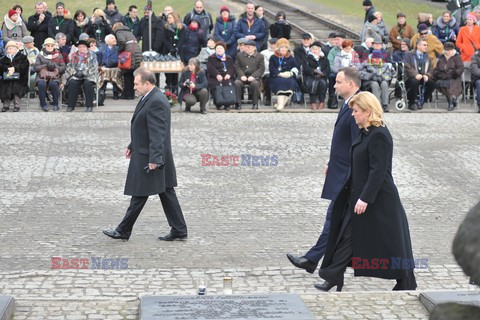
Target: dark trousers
point(319, 95)
point(332, 97)
point(318, 250)
point(194, 97)
point(412, 86)
point(171, 79)
point(342, 256)
point(266, 88)
point(170, 205)
point(42, 91)
point(253, 89)
point(75, 88)
point(477, 91)
point(128, 86)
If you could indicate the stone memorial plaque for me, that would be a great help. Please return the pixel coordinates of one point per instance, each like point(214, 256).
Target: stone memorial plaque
point(7, 305)
point(431, 299)
point(225, 307)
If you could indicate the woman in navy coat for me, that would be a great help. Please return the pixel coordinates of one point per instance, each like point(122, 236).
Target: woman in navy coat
point(225, 31)
point(283, 72)
point(369, 227)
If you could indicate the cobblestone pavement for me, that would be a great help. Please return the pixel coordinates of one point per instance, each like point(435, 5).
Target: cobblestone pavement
point(63, 177)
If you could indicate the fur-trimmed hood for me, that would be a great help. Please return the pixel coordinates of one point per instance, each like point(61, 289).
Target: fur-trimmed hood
point(67, 15)
point(451, 24)
point(10, 24)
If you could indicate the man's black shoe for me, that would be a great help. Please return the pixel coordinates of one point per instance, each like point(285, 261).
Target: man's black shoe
point(386, 108)
point(113, 233)
point(255, 106)
point(173, 237)
point(88, 109)
point(268, 103)
point(69, 109)
point(412, 107)
point(302, 263)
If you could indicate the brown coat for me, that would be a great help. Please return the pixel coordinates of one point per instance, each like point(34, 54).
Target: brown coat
point(406, 32)
point(451, 69)
point(434, 46)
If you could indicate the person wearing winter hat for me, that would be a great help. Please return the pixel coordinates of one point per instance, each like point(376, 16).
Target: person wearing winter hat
point(29, 49)
point(220, 71)
point(400, 31)
point(434, 48)
point(62, 22)
point(369, 9)
point(15, 65)
point(316, 70)
point(448, 74)
point(225, 30)
point(399, 55)
point(112, 14)
point(204, 18)
point(14, 29)
point(283, 73)
point(468, 40)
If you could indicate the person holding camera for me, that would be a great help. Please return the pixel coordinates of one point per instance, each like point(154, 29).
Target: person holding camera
point(82, 72)
point(49, 67)
point(193, 86)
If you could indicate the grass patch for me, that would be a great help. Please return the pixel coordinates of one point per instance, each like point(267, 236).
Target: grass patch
point(389, 9)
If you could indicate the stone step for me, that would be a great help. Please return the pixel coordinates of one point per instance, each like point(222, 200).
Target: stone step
point(7, 307)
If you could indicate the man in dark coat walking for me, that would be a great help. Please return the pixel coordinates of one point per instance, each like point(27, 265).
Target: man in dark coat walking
point(151, 170)
point(336, 173)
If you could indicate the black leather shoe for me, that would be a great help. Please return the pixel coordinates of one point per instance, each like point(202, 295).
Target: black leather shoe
point(472, 282)
point(113, 233)
point(413, 107)
point(89, 109)
point(173, 237)
point(255, 106)
point(69, 109)
point(268, 103)
point(386, 108)
point(227, 108)
point(326, 286)
point(302, 263)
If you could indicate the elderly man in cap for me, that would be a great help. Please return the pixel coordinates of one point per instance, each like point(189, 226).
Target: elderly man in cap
point(29, 49)
point(400, 31)
point(434, 46)
point(330, 44)
point(241, 45)
point(82, 72)
point(111, 11)
point(302, 51)
point(267, 94)
point(250, 67)
point(335, 51)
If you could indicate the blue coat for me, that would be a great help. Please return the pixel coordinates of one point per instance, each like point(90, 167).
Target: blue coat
point(109, 57)
point(276, 66)
point(344, 133)
point(257, 29)
point(226, 32)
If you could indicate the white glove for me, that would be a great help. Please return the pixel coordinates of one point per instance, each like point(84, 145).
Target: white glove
point(285, 74)
point(294, 71)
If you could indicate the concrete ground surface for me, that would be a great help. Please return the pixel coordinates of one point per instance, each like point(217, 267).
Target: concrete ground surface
point(63, 176)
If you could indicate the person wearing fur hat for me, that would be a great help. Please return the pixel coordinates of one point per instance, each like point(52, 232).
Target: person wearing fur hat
point(38, 25)
point(316, 70)
point(13, 29)
point(112, 15)
point(51, 60)
point(61, 22)
point(448, 74)
point(400, 31)
point(283, 73)
point(81, 72)
point(220, 70)
point(250, 26)
point(225, 30)
point(14, 64)
point(468, 40)
point(434, 48)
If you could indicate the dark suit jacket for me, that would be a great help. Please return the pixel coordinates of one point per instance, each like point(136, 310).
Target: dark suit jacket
point(150, 143)
point(345, 131)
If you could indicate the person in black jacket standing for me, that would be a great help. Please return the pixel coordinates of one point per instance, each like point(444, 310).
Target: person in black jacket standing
point(157, 33)
point(61, 22)
point(38, 25)
point(131, 20)
point(151, 170)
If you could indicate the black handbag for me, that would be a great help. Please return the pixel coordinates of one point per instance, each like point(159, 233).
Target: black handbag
point(225, 95)
point(11, 77)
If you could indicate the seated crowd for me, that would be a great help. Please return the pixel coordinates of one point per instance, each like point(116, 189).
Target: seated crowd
point(67, 56)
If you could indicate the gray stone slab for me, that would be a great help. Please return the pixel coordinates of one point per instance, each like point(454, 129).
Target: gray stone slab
point(224, 307)
point(7, 306)
point(431, 299)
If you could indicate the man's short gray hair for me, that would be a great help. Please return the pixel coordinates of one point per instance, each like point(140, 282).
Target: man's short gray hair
point(59, 36)
point(145, 75)
point(109, 36)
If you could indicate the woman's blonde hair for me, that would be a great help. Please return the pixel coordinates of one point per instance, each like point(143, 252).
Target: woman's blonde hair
point(176, 19)
point(366, 101)
point(99, 13)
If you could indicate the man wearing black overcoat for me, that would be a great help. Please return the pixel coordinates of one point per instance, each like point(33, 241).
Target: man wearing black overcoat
point(151, 170)
point(345, 131)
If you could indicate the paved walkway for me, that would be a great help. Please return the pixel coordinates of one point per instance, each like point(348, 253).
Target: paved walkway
point(63, 177)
